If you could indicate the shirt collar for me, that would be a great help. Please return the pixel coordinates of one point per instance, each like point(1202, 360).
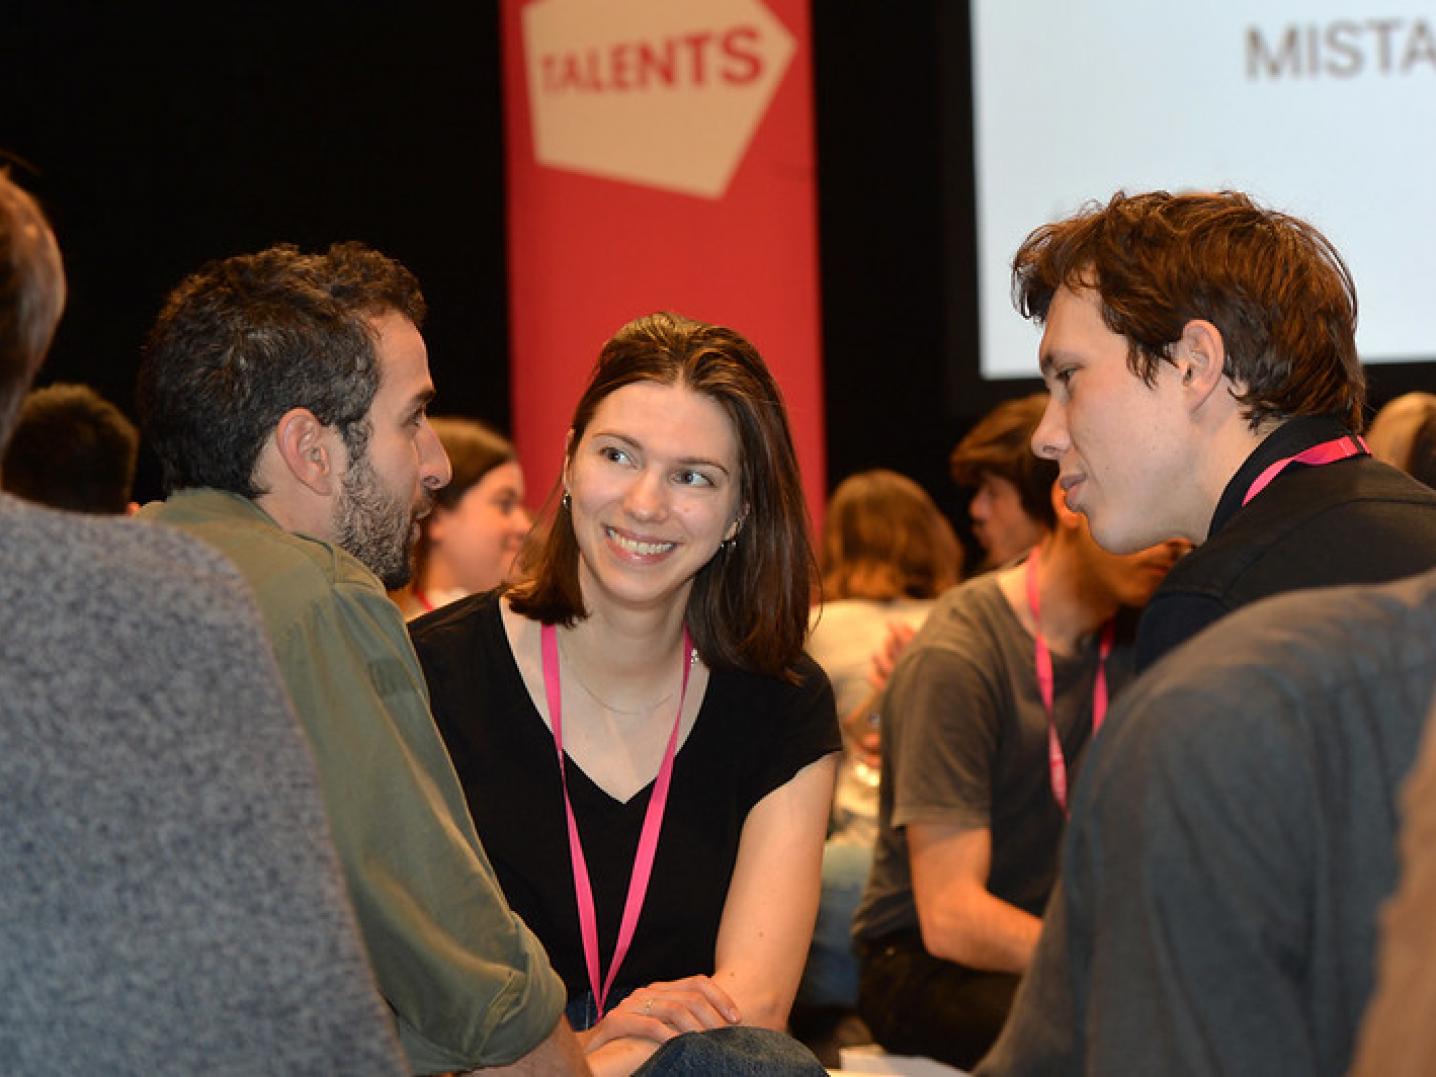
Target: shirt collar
point(1291, 437)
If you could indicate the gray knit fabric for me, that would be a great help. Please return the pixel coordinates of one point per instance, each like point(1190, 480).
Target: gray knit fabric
point(169, 898)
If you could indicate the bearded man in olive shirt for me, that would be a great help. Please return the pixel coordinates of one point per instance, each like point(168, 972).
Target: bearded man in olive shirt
point(285, 395)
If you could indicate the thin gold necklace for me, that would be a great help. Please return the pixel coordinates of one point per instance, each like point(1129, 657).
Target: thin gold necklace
point(646, 709)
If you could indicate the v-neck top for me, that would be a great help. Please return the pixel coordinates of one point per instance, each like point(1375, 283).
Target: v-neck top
point(752, 734)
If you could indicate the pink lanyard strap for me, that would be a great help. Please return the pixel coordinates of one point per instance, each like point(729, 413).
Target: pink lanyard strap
point(1328, 452)
point(648, 837)
point(1056, 760)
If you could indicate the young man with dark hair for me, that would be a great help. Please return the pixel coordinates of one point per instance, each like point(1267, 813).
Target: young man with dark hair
point(1201, 357)
point(72, 449)
point(285, 394)
point(170, 901)
point(1011, 507)
point(983, 720)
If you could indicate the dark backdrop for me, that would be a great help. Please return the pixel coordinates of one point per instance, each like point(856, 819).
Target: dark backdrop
point(159, 136)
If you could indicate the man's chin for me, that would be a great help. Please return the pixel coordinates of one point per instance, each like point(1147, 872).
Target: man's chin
point(395, 581)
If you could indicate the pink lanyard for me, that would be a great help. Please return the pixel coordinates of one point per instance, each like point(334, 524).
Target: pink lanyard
point(1056, 760)
point(1328, 452)
point(648, 837)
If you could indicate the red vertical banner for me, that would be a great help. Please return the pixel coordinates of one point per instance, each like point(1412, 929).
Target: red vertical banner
point(660, 157)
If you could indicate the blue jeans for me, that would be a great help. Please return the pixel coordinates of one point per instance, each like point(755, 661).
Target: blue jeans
point(831, 975)
point(738, 1051)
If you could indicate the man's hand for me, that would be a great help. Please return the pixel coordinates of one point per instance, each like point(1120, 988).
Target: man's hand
point(885, 658)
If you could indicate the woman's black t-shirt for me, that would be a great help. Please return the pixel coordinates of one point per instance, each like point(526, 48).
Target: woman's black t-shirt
point(752, 734)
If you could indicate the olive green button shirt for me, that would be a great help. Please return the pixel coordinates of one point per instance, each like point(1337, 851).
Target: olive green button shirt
point(469, 984)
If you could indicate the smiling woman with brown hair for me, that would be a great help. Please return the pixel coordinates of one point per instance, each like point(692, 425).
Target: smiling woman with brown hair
point(647, 752)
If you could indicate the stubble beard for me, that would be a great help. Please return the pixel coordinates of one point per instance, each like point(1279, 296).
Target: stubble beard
point(378, 529)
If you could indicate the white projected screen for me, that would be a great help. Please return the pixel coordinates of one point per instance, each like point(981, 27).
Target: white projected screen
point(1315, 108)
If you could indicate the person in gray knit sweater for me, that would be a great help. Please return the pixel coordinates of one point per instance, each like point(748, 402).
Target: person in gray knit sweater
point(169, 896)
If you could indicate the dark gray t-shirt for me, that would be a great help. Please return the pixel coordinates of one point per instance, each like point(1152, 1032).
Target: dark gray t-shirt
point(1232, 843)
point(170, 900)
point(965, 744)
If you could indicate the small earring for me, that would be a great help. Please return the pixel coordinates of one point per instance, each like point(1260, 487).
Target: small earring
point(728, 544)
point(566, 502)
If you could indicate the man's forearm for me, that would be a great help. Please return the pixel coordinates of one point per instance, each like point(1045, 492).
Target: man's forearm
point(559, 1055)
point(976, 929)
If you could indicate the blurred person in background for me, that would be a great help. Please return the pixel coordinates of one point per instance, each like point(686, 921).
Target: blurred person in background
point(1403, 434)
point(887, 552)
point(72, 449)
point(468, 542)
point(1011, 507)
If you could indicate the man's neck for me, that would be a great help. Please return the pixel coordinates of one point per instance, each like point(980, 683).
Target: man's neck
point(1219, 461)
point(296, 515)
point(1072, 605)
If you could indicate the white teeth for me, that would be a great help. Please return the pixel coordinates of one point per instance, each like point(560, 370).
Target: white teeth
point(645, 549)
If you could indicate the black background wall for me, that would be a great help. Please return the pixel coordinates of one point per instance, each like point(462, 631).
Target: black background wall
point(159, 136)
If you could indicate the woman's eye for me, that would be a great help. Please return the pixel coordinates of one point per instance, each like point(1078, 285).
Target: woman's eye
point(610, 452)
point(693, 478)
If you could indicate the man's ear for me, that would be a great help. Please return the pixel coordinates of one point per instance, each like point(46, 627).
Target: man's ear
point(308, 448)
point(1200, 355)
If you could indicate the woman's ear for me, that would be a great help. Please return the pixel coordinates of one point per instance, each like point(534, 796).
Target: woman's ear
point(567, 458)
point(737, 525)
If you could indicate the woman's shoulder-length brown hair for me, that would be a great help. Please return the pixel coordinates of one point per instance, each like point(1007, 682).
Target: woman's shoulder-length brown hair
point(884, 539)
point(748, 608)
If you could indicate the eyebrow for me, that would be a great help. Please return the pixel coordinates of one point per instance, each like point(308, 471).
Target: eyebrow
point(687, 461)
point(421, 400)
point(1051, 357)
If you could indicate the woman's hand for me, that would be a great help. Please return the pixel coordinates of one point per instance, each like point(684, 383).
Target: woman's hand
point(900, 634)
point(662, 1010)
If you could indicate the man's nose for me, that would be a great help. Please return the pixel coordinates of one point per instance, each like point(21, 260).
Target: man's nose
point(435, 471)
point(1050, 440)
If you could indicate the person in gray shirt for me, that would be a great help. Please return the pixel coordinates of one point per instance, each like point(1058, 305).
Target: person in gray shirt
point(971, 803)
point(169, 898)
point(1233, 838)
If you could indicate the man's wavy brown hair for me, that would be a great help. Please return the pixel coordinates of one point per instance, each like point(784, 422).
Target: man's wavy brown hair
point(1274, 286)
